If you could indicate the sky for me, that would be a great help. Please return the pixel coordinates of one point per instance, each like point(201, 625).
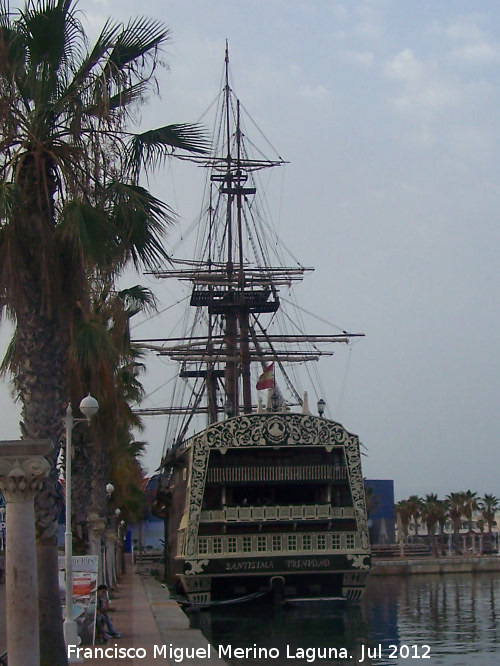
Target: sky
point(387, 112)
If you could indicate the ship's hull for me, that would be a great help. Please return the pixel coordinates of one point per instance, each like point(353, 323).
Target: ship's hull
point(282, 579)
point(270, 504)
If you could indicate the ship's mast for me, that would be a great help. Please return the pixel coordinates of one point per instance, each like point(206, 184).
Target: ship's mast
point(237, 312)
point(211, 376)
point(234, 282)
point(243, 311)
point(231, 372)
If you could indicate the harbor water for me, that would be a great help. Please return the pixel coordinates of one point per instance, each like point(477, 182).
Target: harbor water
point(448, 620)
point(439, 620)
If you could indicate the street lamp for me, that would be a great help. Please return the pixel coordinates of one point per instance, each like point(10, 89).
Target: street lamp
point(2, 520)
point(88, 407)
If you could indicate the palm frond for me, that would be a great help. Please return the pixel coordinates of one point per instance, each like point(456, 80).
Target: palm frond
point(81, 85)
point(52, 34)
point(141, 220)
point(12, 48)
point(138, 299)
point(122, 99)
point(150, 149)
point(8, 197)
point(139, 37)
point(101, 46)
point(93, 353)
point(8, 364)
point(87, 232)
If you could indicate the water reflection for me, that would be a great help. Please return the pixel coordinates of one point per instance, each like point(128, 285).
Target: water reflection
point(296, 634)
point(456, 616)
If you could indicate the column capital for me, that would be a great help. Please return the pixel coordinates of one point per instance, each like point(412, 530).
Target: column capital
point(96, 523)
point(110, 536)
point(23, 468)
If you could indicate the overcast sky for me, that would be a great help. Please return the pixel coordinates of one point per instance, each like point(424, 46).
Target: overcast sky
point(388, 112)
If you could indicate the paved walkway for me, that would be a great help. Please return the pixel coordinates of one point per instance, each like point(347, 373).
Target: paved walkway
point(152, 624)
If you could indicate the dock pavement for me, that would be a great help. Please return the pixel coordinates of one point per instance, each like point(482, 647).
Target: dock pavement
point(154, 628)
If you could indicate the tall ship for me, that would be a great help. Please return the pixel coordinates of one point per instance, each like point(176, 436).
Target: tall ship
point(264, 497)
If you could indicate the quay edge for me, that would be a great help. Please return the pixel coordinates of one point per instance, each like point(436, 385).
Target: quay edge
point(453, 565)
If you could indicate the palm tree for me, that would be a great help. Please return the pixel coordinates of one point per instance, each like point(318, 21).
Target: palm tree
point(431, 512)
point(442, 517)
point(105, 361)
point(162, 504)
point(404, 512)
point(489, 505)
point(456, 511)
point(128, 479)
point(415, 507)
point(69, 201)
point(372, 500)
point(471, 504)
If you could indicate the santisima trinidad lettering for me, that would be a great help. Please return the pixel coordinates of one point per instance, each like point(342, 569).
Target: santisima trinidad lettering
point(248, 566)
point(307, 564)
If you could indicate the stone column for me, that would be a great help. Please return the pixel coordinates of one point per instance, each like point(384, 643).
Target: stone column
point(97, 525)
point(110, 541)
point(22, 469)
point(120, 546)
point(118, 559)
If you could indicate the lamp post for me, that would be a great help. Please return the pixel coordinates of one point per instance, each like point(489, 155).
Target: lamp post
point(88, 407)
point(116, 560)
point(108, 552)
point(2, 519)
point(120, 524)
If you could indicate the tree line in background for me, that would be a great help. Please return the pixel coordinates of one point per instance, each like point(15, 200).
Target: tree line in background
point(73, 217)
point(456, 508)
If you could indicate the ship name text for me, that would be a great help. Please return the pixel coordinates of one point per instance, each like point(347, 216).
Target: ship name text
point(249, 565)
point(262, 565)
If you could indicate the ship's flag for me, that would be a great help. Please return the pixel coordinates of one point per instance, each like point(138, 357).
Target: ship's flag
point(266, 380)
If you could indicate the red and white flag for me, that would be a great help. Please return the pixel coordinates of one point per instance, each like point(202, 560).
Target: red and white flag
point(266, 380)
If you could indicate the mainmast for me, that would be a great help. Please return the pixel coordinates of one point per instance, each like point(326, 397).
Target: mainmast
point(231, 370)
point(234, 280)
point(236, 311)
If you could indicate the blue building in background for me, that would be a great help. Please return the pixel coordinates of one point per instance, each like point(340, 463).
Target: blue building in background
point(150, 533)
point(381, 513)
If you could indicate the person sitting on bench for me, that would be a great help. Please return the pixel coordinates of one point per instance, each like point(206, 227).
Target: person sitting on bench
point(104, 625)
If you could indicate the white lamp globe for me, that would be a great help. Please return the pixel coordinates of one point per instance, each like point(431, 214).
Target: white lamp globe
point(89, 406)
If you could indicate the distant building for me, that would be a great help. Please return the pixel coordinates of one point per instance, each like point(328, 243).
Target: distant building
point(150, 533)
point(381, 514)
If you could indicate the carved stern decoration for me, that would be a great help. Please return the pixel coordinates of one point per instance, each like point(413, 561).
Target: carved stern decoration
point(273, 495)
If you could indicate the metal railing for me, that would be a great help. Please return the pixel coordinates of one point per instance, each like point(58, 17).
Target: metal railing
point(287, 512)
point(277, 473)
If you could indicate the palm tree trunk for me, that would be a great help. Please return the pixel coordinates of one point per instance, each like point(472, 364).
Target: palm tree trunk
point(98, 499)
point(81, 490)
point(52, 647)
point(40, 386)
